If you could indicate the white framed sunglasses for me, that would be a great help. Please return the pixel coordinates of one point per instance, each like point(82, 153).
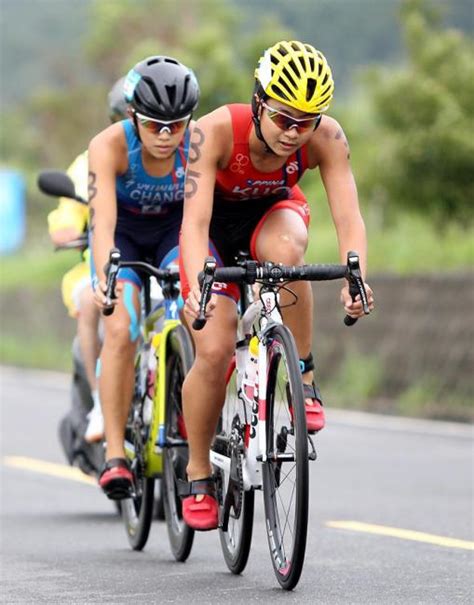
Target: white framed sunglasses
point(157, 126)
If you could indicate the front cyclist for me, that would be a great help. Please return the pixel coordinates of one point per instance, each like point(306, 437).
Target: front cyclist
point(136, 189)
point(241, 191)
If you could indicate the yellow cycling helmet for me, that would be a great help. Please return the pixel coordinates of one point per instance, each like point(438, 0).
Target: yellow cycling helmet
point(296, 74)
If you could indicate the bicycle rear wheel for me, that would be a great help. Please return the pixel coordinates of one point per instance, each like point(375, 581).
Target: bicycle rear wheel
point(175, 456)
point(137, 512)
point(236, 506)
point(285, 472)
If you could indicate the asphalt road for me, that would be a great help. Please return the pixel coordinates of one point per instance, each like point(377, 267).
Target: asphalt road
point(377, 481)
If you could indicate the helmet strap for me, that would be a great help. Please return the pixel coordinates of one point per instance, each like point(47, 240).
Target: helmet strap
point(256, 108)
point(135, 124)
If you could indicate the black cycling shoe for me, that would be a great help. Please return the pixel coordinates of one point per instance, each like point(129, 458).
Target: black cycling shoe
point(116, 479)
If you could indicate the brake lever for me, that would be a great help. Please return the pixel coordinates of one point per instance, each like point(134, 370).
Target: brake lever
point(356, 286)
point(112, 269)
point(210, 266)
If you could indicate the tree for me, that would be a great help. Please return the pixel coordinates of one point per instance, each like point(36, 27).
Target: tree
point(424, 112)
point(207, 35)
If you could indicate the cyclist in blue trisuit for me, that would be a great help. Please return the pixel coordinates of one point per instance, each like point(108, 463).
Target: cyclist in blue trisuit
point(136, 190)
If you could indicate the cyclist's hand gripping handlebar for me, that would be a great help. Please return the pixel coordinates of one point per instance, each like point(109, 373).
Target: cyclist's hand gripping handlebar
point(111, 270)
point(210, 266)
point(356, 285)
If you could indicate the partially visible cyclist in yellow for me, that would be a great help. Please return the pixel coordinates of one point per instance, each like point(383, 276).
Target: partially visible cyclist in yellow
point(68, 223)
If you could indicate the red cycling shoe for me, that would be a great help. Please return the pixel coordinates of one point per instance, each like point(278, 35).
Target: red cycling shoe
point(116, 479)
point(315, 418)
point(202, 515)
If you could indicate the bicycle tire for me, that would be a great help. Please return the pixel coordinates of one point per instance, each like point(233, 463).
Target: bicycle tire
point(137, 512)
point(180, 355)
point(236, 541)
point(285, 480)
point(159, 507)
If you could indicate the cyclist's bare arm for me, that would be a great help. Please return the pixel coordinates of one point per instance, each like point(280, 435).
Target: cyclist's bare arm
point(107, 152)
point(208, 148)
point(329, 150)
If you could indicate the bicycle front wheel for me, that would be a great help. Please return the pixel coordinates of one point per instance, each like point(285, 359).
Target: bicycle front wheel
point(285, 472)
point(236, 505)
point(179, 358)
point(137, 511)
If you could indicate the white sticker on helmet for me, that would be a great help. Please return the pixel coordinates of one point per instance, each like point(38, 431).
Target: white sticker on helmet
point(265, 69)
point(131, 81)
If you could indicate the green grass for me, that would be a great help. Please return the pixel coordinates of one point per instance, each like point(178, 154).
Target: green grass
point(408, 245)
point(36, 352)
point(358, 381)
point(37, 266)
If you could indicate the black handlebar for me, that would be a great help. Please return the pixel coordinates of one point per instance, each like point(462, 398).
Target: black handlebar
point(251, 271)
point(115, 264)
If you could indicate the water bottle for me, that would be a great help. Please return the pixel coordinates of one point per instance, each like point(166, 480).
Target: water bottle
point(152, 362)
point(251, 366)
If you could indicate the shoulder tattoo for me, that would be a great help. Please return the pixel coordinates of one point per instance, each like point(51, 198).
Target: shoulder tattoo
point(191, 184)
point(92, 185)
point(340, 136)
point(197, 140)
point(91, 219)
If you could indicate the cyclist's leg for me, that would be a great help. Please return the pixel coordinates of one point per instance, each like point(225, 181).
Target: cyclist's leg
point(78, 298)
point(117, 372)
point(204, 386)
point(117, 368)
point(282, 236)
point(87, 332)
point(89, 342)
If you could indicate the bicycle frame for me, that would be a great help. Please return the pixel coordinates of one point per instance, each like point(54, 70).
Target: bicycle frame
point(260, 316)
point(159, 342)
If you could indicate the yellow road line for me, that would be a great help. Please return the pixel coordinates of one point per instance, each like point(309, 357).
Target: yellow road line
point(49, 468)
point(404, 534)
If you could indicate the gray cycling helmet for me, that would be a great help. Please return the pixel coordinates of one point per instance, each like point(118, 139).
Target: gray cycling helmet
point(117, 103)
point(162, 88)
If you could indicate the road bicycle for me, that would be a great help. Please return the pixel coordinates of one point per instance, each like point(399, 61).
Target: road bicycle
point(261, 441)
point(89, 457)
point(155, 436)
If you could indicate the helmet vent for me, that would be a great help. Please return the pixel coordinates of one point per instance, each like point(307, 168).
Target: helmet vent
point(279, 92)
point(282, 50)
point(153, 61)
point(288, 74)
point(186, 86)
point(171, 90)
point(310, 88)
point(154, 89)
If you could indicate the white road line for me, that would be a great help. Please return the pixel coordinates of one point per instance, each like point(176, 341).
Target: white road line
point(403, 534)
point(49, 468)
